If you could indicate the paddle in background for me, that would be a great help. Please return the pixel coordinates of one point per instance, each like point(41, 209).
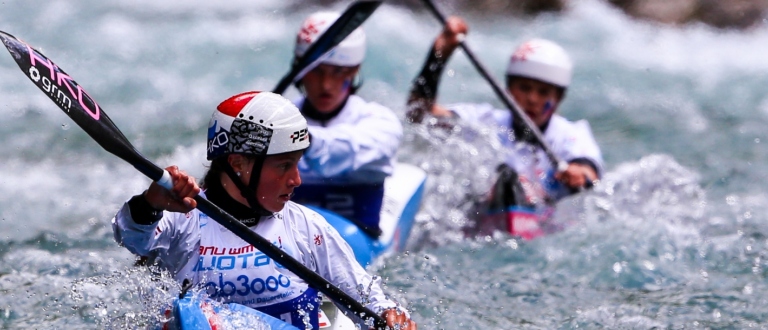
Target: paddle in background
point(86, 113)
point(350, 20)
point(520, 116)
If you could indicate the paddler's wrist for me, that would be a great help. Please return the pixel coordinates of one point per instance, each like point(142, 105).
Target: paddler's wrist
point(151, 196)
point(425, 84)
point(142, 211)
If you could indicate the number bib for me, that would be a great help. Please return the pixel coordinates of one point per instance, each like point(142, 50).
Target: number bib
point(235, 272)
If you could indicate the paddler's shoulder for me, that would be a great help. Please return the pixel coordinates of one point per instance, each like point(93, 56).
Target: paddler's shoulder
point(298, 212)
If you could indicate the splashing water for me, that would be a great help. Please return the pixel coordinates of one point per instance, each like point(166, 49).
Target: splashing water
point(460, 164)
point(110, 300)
point(673, 237)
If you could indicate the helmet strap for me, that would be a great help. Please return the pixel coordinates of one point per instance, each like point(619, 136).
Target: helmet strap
point(249, 192)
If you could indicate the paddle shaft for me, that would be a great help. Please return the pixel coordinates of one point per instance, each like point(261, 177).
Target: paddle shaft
point(350, 20)
point(503, 96)
point(78, 105)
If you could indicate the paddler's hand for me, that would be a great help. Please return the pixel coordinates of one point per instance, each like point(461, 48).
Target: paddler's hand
point(396, 319)
point(453, 33)
point(180, 198)
point(577, 176)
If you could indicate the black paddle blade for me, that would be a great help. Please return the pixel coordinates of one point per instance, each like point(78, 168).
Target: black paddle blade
point(350, 20)
point(71, 98)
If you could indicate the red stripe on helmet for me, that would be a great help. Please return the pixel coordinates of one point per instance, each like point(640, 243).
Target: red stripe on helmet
point(232, 106)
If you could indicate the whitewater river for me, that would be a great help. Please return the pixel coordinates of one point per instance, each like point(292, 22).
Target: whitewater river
point(675, 236)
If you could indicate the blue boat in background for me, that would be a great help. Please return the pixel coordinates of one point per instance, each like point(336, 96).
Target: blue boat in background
point(402, 198)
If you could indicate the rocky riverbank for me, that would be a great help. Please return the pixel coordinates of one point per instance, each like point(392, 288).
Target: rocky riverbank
point(739, 14)
point(725, 14)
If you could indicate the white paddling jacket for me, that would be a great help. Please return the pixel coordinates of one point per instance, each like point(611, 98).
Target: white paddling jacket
point(357, 145)
point(195, 247)
point(349, 157)
point(569, 141)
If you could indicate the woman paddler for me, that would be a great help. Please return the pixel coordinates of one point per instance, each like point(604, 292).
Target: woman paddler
point(255, 141)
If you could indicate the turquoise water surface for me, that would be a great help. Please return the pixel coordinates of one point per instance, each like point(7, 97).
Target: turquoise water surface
point(675, 236)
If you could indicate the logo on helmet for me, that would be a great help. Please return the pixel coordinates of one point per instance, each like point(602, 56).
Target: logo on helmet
point(249, 138)
point(309, 30)
point(217, 141)
point(521, 54)
point(298, 135)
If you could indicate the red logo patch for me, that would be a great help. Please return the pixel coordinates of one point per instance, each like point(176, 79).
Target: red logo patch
point(309, 30)
point(318, 239)
point(521, 54)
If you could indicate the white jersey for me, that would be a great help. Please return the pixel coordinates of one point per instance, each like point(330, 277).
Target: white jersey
point(357, 145)
point(568, 140)
point(194, 246)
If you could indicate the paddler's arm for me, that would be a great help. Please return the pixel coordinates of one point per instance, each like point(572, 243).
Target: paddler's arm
point(147, 207)
point(424, 91)
point(142, 212)
point(141, 226)
point(181, 198)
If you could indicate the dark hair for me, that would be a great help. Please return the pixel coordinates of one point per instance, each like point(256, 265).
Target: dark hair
point(217, 168)
point(214, 172)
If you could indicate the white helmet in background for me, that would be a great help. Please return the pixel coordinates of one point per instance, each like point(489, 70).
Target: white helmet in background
point(542, 60)
point(350, 52)
point(256, 123)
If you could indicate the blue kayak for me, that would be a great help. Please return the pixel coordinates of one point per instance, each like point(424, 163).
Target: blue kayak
point(193, 312)
point(402, 198)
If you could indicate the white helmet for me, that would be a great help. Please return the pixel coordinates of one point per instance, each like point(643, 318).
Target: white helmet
point(256, 123)
point(350, 52)
point(541, 60)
